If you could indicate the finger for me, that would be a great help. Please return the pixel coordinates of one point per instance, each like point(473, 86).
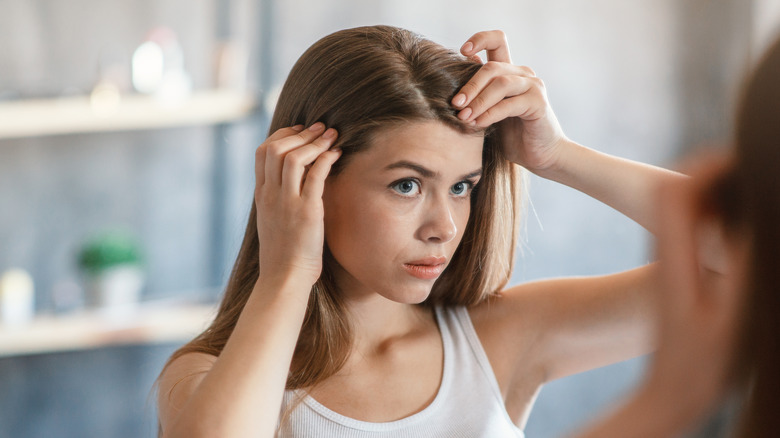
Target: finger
point(524, 106)
point(482, 78)
point(276, 151)
point(476, 58)
point(260, 153)
point(295, 162)
point(497, 90)
point(493, 42)
point(314, 184)
point(284, 132)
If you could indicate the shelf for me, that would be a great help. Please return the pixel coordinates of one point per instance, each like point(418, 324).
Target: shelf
point(87, 330)
point(29, 118)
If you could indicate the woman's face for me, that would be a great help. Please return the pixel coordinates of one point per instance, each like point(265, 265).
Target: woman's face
point(396, 213)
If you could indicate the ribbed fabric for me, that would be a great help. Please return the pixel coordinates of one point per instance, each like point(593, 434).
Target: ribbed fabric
point(468, 403)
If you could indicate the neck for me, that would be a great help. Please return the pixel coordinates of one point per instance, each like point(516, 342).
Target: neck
point(378, 322)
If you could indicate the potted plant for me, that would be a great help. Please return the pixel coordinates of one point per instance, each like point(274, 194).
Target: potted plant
point(112, 264)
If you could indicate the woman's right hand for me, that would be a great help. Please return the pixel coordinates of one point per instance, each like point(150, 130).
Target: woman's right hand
point(290, 170)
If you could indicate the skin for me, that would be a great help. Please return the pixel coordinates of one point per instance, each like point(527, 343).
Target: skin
point(703, 271)
point(404, 199)
point(532, 333)
point(421, 212)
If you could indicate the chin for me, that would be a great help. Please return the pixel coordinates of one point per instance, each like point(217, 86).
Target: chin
point(410, 295)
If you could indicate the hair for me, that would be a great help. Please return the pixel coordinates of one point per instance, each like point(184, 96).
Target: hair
point(749, 197)
point(361, 81)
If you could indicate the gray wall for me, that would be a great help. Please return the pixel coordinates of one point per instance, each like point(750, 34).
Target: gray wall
point(643, 80)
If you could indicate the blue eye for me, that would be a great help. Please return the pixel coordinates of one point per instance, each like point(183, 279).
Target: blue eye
point(406, 187)
point(462, 188)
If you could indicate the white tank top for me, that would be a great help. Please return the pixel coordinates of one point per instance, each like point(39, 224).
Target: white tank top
point(468, 404)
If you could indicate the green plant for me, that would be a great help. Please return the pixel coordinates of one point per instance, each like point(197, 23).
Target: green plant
point(108, 250)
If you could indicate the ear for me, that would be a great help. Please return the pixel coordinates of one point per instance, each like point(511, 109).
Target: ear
point(693, 246)
point(719, 252)
point(722, 258)
point(712, 246)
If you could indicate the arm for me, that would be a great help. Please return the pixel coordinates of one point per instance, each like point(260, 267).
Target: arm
point(625, 185)
point(568, 325)
point(578, 323)
point(702, 272)
point(646, 415)
point(241, 391)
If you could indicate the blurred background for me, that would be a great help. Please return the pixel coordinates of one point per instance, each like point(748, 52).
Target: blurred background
point(127, 132)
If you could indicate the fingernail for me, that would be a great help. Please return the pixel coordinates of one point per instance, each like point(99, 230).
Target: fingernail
point(317, 126)
point(330, 133)
point(465, 114)
point(467, 47)
point(298, 128)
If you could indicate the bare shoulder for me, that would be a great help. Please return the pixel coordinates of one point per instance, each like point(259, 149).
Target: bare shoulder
point(510, 325)
point(178, 381)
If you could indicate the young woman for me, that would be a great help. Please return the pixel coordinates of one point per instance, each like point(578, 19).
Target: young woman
point(719, 249)
point(368, 296)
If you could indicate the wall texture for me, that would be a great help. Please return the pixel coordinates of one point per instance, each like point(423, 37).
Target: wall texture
point(623, 77)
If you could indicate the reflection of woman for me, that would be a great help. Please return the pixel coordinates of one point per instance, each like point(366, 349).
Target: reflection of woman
point(382, 343)
point(719, 246)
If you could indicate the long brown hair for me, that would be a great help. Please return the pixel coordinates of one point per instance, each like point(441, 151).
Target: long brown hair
point(754, 206)
point(360, 81)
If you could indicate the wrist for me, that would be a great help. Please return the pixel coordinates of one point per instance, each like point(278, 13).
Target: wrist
point(564, 154)
point(298, 272)
point(285, 297)
point(287, 283)
point(288, 278)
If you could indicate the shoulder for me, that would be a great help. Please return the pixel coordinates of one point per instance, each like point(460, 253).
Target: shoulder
point(510, 326)
point(178, 381)
point(519, 312)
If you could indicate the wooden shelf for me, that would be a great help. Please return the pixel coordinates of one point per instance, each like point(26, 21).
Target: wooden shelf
point(94, 329)
point(29, 118)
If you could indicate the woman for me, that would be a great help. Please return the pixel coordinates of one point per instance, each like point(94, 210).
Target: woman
point(719, 247)
point(369, 302)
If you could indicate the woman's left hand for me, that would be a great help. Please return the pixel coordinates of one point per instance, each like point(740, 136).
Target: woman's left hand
point(514, 98)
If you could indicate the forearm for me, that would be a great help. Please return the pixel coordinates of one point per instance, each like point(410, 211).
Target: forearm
point(647, 414)
point(624, 185)
point(242, 392)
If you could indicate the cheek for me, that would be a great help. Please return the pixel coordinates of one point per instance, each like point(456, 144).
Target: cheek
point(358, 228)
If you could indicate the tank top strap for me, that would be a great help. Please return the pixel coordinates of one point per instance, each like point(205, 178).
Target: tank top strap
point(469, 350)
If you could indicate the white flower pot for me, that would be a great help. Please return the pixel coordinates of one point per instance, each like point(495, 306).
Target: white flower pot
point(116, 289)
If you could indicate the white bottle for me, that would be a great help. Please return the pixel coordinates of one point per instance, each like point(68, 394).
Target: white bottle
point(17, 297)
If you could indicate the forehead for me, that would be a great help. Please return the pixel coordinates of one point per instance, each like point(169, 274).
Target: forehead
point(429, 143)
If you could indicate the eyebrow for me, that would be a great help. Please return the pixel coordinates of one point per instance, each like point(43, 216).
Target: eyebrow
point(425, 172)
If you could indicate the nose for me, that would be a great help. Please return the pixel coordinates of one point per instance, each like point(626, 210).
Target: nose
point(438, 225)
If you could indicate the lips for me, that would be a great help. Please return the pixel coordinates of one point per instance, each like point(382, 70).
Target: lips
point(428, 268)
